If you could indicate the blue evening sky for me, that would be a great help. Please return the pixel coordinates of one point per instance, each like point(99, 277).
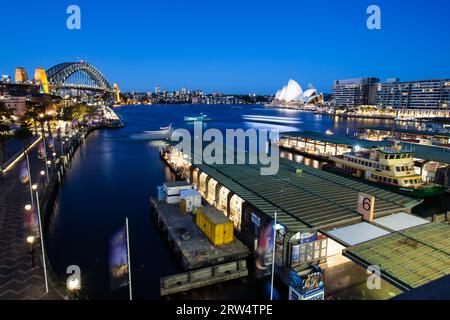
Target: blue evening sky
point(233, 46)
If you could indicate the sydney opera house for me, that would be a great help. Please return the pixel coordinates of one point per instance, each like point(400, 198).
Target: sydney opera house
point(292, 94)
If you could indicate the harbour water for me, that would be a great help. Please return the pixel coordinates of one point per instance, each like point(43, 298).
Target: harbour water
point(113, 176)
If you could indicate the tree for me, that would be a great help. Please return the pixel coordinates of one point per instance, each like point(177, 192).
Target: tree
point(77, 112)
point(5, 120)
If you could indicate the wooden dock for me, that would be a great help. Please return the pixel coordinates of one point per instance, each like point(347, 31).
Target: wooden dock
point(205, 264)
point(192, 246)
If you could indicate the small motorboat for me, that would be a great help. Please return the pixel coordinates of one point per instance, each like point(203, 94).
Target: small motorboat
point(202, 117)
point(161, 134)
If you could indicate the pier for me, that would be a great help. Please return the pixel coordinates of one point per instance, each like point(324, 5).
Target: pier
point(205, 263)
point(309, 204)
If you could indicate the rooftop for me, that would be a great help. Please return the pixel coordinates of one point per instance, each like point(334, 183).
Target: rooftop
point(409, 258)
point(337, 139)
point(423, 152)
point(311, 199)
point(431, 133)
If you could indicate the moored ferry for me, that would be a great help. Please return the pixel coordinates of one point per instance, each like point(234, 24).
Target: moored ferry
point(390, 167)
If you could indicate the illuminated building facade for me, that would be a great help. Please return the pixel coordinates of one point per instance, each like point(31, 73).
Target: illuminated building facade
point(352, 92)
point(422, 94)
point(40, 77)
point(21, 75)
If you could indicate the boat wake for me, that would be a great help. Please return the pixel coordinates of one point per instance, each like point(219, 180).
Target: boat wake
point(271, 119)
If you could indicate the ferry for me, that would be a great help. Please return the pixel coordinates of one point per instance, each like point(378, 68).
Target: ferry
point(389, 167)
point(161, 134)
point(202, 117)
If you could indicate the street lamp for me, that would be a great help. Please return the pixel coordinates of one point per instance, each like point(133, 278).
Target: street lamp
point(30, 241)
point(73, 285)
point(28, 207)
point(42, 173)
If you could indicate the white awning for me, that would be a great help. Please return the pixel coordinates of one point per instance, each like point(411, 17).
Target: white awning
point(400, 221)
point(357, 233)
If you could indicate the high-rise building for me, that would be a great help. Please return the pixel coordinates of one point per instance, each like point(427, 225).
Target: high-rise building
point(5, 78)
point(352, 92)
point(21, 75)
point(158, 90)
point(421, 94)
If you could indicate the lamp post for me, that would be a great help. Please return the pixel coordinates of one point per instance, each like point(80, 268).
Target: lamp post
point(45, 147)
point(30, 241)
point(29, 177)
point(73, 285)
point(42, 173)
point(41, 235)
point(54, 157)
point(273, 254)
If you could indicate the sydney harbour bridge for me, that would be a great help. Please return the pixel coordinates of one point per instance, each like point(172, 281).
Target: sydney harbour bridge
point(74, 79)
point(77, 75)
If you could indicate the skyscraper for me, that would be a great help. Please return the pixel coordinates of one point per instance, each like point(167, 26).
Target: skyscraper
point(21, 75)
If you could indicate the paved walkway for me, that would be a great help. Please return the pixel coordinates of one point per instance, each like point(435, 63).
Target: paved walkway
point(18, 279)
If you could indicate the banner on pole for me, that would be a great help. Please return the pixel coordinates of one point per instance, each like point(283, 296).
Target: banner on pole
point(118, 259)
point(23, 172)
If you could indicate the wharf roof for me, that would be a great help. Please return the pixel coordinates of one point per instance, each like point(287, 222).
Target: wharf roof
point(420, 151)
point(409, 258)
point(430, 133)
point(312, 198)
point(336, 139)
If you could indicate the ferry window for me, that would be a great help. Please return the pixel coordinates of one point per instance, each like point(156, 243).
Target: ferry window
point(389, 180)
point(397, 156)
point(395, 181)
point(392, 157)
point(397, 168)
point(388, 168)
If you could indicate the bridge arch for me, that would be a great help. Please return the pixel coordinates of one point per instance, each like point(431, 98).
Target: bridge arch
point(91, 78)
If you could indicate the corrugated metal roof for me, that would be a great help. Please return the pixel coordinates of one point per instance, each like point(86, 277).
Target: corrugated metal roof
point(314, 198)
point(410, 131)
point(409, 258)
point(337, 139)
point(424, 152)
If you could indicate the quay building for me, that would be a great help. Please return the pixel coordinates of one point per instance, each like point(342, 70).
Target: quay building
point(426, 98)
point(318, 223)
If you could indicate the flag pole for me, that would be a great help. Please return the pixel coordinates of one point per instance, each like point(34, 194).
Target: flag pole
point(273, 255)
point(29, 178)
point(129, 260)
point(45, 153)
point(41, 235)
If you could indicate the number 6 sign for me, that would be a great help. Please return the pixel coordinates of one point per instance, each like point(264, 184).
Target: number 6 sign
point(366, 205)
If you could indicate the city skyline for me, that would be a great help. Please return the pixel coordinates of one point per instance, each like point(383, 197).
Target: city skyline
point(245, 48)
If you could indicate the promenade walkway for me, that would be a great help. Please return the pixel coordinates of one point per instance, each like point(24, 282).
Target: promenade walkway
point(18, 279)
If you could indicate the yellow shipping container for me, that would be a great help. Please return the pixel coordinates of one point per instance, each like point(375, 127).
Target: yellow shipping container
point(215, 225)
